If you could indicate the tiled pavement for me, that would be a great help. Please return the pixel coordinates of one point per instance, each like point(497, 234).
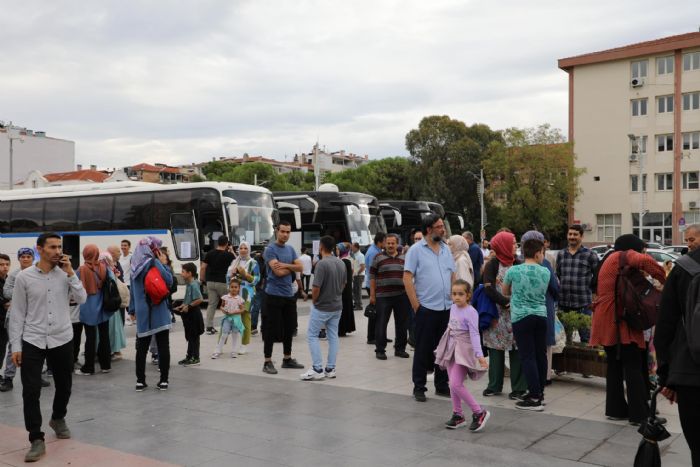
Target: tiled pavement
point(226, 412)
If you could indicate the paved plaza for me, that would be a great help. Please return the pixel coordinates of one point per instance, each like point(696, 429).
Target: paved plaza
point(227, 412)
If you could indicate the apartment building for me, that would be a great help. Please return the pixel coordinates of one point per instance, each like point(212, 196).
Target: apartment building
point(634, 119)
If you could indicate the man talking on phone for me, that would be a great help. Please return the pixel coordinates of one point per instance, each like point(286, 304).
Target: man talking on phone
point(40, 328)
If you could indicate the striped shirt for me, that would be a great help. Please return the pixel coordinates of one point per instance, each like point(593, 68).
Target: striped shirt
point(387, 272)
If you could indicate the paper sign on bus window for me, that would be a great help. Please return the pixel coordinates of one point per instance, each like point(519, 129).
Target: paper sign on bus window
point(250, 236)
point(185, 249)
point(316, 247)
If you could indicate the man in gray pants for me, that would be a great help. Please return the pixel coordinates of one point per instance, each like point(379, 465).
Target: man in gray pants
point(213, 272)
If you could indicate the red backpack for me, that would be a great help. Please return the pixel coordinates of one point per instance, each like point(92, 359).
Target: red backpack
point(155, 286)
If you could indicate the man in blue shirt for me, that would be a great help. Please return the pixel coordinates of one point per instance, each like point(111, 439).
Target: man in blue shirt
point(372, 251)
point(280, 305)
point(428, 275)
point(476, 255)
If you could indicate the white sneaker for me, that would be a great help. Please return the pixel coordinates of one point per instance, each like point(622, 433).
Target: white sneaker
point(330, 374)
point(215, 355)
point(243, 350)
point(234, 355)
point(312, 375)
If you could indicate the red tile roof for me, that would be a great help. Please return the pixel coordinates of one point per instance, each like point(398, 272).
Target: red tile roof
point(81, 175)
point(144, 167)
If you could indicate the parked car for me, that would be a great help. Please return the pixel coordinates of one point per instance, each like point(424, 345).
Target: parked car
point(677, 249)
point(661, 256)
point(600, 250)
point(655, 246)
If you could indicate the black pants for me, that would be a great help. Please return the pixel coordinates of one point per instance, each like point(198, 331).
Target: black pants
point(61, 361)
point(627, 369)
point(531, 336)
point(77, 336)
point(430, 326)
point(689, 412)
point(163, 343)
point(193, 347)
point(401, 307)
point(279, 322)
point(4, 339)
point(104, 350)
point(306, 282)
point(371, 326)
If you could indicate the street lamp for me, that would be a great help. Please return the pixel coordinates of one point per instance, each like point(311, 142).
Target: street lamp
point(12, 135)
point(480, 193)
point(638, 155)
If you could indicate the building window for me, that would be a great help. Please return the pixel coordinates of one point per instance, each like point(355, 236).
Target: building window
point(639, 145)
point(639, 69)
point(634, 182)
point(664, 65)
point(690, 180)
point(609, 227)
point(639, 107)
point(657, 227)
point(664, 104)
point(691, 61)
point(664, 182)
point(691, 101)
point(691, 140)
point(664, 143)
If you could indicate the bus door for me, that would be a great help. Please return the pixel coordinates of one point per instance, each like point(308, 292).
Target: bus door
point(71, 247)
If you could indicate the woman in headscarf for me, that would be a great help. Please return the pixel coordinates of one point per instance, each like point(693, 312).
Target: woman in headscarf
point(117, 339)
point(92, 274)
point(347, 318)
point(625, 366)
point(151, 319)
point(463, 262)
point(247, 270)
point(499, 337)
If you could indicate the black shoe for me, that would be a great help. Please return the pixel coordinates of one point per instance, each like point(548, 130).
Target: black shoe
point(479, 420)
point(183, 361)
point(210, 331)
point(661, 420)
point(530, 404)
point(322, 334)
point(548, 382)
point(45, 383)
point(371, 342)
point(6, 385)
point(389, 340)
point(162, 386)
point(443, 392)
point(412, 342)
point(291, 363)
point(457, 421)
point(516, 395)
point(141, 386)
point(380, 355)
point(419, 395)
point(489, 392)
point(269, 368)
point(401, 354)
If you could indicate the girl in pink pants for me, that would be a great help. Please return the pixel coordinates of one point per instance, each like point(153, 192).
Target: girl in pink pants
point(459, 352)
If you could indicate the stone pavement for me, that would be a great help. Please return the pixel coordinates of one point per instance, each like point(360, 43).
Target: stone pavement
point(227, 412)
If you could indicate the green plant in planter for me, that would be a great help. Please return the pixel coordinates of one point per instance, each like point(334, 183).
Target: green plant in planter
point(572, 320)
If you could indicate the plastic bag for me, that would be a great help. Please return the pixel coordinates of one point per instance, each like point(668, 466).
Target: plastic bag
point(559, 336)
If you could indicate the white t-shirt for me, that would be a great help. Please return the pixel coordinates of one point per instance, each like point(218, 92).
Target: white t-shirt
point(125, 263)
point(306, 262)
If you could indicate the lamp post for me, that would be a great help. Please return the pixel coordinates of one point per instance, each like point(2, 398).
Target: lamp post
point(12, 136)
point(480, 193)
point(638, 155)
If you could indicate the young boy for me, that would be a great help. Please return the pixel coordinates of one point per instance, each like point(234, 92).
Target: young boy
point(191, 314)
point(527, 283)
point(231, 323)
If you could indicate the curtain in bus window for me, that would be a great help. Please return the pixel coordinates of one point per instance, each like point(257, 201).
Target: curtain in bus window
point(184, 236)
point(132, 211)
point(27, 216)
point(60, 214)
point(95, 212)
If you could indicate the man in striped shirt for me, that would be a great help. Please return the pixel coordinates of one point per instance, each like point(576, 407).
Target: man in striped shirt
point(388, 293)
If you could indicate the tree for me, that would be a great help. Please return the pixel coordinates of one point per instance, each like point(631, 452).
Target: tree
point(532, 179)
point(444, 152)
point(389, 178)
point(196, 178)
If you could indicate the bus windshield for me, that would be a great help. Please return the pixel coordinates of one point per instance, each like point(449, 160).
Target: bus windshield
point(255, 214)
point(363, 225)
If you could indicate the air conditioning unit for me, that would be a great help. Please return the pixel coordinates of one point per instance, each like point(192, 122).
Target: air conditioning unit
point(634, 157)
point(637, 82)
point(587, 227)
point(693, 205)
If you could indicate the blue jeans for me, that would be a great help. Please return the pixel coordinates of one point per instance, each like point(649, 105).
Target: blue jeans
point(317, 320)
point(255, 305)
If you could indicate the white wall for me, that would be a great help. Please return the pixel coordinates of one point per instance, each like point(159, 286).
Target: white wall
point(48, 155)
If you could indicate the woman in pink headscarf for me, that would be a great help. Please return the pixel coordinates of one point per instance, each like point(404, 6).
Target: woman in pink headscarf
point(463, 262)
point(499, 337)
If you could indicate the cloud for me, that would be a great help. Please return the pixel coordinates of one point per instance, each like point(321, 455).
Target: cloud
point(178, 82)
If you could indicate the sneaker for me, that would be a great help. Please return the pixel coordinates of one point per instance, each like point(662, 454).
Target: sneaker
point(36, 451)
point(116, 356)
point(517, 395)
point(457, 421)
point(60, 427)
point(154, 359)
point(254, 332)
point(419, 395)
point(243, 350)
point(141, 386)
point(330, 373)
point(401, 354)
point(162, 386)
point(192, 362)
point(479, 420)
point(6, 385)
point(269, 368)
point(616, 419)
point(443, 392)
point(211, 331)
point(45, 383)
point(291, 363)
point(380, 355)
point(215, 355)
point(183, 361)
point(83, 373)
point(530, 404)
point(490, 392)
point(105, 370)
point(234, 354)
point(322, 334)
point(370, 341)
point(312, 375)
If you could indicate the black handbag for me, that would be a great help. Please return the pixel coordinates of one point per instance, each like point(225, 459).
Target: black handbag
point(111, 300)
point(370, 311)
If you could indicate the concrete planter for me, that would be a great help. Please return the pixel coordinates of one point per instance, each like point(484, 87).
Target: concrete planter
point(578, 358)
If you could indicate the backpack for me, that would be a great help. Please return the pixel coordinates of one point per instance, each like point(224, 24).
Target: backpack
point(691, 319)
point(111, 299)
point(636, 299)
point(155, 286)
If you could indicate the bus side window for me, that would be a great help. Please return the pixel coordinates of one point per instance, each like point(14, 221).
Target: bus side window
point(27, 216)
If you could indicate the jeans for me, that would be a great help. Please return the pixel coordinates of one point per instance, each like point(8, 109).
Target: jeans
point(689, 412)
point(430, 326)
point(357, 290)
point(103, 348)
point(531, 336)
point(215, 290)
point(401, 307)
point(306, 282)
point(318, 320)
point(255, 306)
point(625, 373)
point(163, 343)
point(60, 359)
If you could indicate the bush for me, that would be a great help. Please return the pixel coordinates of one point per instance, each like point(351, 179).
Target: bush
point(572, 321)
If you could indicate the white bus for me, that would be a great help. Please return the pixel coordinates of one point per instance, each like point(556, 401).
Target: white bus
point(188, 218)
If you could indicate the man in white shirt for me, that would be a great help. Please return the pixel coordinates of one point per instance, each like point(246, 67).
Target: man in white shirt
point(125, 261)
point(41, 329)
point(358, 275)
point(306, 272)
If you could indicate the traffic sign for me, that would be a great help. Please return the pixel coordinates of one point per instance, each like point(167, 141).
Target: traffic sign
point(681, 221)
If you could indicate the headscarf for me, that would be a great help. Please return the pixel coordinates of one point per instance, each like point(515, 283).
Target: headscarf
point(143, 254)
point(502, 244)
point(108, 261)
point(92, 272)
point(622, 243)
point(240, 260)
point(458, 246)
point(343, 250)
point(532, 235)
point(25, 251)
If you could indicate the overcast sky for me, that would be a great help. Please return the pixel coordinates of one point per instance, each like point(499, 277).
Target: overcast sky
point(179, 82)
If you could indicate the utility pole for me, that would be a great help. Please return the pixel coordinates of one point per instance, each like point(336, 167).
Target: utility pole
point(316, 170)
point(12, 137)
point(637, 151)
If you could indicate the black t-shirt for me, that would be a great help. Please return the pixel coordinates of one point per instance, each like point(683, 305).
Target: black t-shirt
point(218, 262)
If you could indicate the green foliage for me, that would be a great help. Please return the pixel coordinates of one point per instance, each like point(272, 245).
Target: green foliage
point(197, 178)
point(572, 320)
point(389, 178)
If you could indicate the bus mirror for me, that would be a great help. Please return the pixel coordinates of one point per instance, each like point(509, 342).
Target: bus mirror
point(232, 211)
point(461, 222)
